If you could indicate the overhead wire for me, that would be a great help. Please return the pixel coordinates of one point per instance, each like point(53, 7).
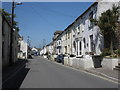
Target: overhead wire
point(54, 11)
point(42, 17)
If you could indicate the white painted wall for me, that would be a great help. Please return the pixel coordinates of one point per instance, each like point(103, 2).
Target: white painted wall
point(85, 31)
point(63, 42)
point(34, 49)
point(58, 45)
point(23, 47)
point(44, 50)
point(50, 49)
point(90, 31)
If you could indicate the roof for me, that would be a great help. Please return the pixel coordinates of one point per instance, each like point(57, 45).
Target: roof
point(50, 43)
point(95, 3)
point(57, 32)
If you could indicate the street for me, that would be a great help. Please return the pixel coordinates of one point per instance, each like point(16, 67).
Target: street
point(46, 74)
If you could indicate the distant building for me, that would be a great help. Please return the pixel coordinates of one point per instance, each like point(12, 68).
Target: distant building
point(50, 46)
point(43, 51)
point(35, 51)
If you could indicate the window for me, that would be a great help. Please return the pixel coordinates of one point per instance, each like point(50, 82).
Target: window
point(65, 49)
point(73, 33)
point(84, 42)
point(78, 29)
point(92, 43)
point(80, 47)
point(68, 34)
point(90, 18)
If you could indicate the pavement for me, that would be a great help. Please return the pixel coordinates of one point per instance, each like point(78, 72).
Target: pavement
point(113, 75)
point(11, 71)
point(109, 74)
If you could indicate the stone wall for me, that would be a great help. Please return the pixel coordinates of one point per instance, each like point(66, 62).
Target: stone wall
point(6, 29)
point(6, 38)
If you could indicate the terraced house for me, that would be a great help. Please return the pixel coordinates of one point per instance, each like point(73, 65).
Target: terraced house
point(83, 36)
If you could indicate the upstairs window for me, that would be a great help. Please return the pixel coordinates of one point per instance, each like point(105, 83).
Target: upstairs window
point(90, 18)
point(68, 34)
point(78, 29)
point(84, 42)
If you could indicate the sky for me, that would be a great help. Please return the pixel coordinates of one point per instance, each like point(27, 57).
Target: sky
point(39, 20)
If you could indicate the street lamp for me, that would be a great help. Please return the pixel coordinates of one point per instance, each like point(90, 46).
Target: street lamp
point(12, 24)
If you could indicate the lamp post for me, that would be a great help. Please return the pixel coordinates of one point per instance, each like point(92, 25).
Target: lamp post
point(11, 34)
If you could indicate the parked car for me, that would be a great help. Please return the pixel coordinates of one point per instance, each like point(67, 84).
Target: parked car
point(60, 58)
point(30, 56)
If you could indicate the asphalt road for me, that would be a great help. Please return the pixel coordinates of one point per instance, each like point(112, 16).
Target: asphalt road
point(46, 74)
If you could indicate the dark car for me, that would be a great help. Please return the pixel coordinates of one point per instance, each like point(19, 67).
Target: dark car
point(30, 56)
point(60, 58)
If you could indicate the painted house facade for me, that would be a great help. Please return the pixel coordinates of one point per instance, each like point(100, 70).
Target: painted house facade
point(50, 48)
point(83, 36)
point(57, 42)
point(64, 43)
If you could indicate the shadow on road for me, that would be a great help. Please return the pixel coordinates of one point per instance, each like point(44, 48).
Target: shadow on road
point(14, 78)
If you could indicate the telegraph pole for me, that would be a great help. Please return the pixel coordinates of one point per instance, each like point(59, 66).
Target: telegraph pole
point(28, 40)
point(43, 42)
point(11, 34)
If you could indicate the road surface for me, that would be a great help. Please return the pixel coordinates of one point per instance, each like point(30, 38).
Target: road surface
point(47, 74)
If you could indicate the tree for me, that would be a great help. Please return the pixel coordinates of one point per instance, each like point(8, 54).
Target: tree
point(8, 17)
point(107, 24)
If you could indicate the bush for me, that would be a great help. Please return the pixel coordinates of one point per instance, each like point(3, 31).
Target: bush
point(105, 52)
point(114, 56)
point(117, 52)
